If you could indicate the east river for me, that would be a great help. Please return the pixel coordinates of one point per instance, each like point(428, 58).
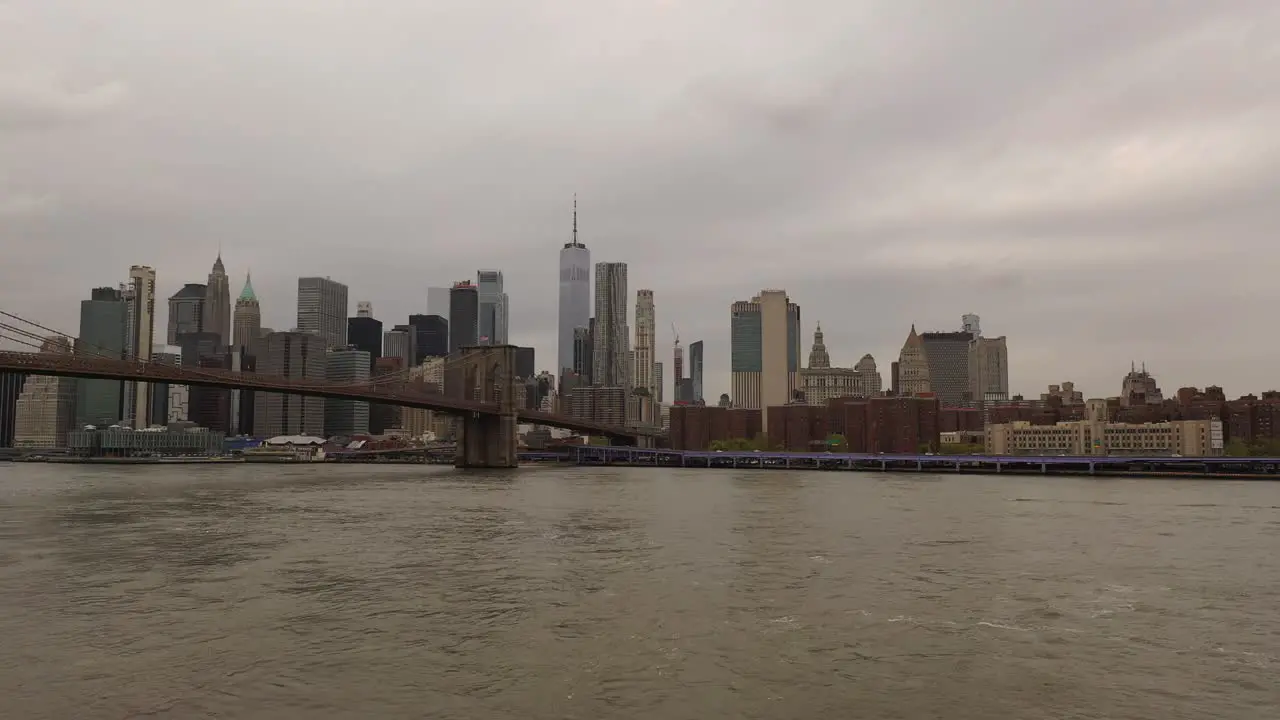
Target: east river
point(319, 592)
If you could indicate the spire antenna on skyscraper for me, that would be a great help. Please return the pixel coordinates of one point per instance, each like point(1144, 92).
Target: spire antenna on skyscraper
point(575, 218)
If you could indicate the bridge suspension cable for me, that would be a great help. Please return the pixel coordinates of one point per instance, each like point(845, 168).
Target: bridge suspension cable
point(35, 341)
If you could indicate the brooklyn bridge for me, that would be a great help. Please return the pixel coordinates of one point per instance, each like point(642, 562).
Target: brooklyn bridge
point(479, 389)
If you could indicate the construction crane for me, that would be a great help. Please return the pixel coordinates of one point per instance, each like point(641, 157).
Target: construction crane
point(675, 332)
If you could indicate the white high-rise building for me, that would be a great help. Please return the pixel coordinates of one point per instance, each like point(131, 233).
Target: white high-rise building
point(611, 366)
point(45, 409)
point(140, 294)
point(322, 310)
point(575, 295)
point(493, 308)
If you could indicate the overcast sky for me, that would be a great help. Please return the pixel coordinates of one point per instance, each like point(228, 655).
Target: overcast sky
point(1099, 181)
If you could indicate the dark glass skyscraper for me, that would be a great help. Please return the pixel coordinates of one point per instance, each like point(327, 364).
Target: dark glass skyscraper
point(695, 371)
point(525, 363)
point(464, 315)
point(104, 323)
point(430, 337)
point(365, 333)
point(10, 388)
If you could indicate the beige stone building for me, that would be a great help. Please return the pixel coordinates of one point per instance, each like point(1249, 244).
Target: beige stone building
point(418, 422)
point(820, 382)
point(1188, 438)
point(46, 408)
point(913, 367)
point(988, 371)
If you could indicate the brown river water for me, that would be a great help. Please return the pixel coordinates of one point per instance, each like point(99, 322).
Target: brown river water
point(416, 592)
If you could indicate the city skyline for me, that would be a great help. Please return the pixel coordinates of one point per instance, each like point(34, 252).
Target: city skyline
point(992, 185)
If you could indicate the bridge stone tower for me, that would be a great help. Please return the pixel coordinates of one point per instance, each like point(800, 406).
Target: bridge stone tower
point(486, 374)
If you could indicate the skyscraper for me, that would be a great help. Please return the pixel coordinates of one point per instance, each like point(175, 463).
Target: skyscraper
point(217, 304)
point(347, 366)
point(46, 408)
point(988, 370)
point(11, 385)
point(399, 343)
point(612, 352)
point(493, 308)
point(248, 317)
point(365, 333)
point(104, 322)
point(430, 337)
point(295, 356)
point(646, 332)
point(747, 347)
point(186, 312)
point(322, 309)
point(695, 371)
point(575, 294)
point(583, 346)
point(913, 367)
point(948, 356)
point(677, 367)
point(140, 295)
point(464, 315)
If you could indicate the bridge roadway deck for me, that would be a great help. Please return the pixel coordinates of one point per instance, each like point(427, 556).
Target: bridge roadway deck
point(106, 369)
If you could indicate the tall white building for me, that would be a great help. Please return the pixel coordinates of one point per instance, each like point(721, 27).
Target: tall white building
point(575, 295)
point(611, 355)
point(140, 294)
point(322, 309)
point(493, 308)
point(46, 408)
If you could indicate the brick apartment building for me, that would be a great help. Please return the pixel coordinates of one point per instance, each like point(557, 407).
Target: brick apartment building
point(885, 424)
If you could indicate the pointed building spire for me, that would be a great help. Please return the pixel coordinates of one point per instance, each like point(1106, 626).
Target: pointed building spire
point(247, 294)
point(575, 219)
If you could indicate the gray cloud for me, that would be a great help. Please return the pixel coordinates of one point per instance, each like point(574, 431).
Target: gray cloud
point(1098, 186)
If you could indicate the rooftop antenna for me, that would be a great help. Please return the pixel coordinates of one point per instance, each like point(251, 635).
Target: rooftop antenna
point(575, 218)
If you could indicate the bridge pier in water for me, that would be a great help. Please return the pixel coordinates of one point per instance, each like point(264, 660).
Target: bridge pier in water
point(485, 373)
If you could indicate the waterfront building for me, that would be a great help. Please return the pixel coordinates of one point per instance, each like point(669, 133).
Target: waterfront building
point(45, 409)
point(104, 323)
